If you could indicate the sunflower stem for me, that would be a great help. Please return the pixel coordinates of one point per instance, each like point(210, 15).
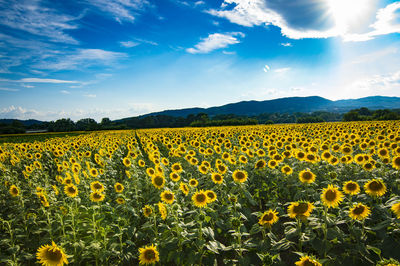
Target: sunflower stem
point(300, 245)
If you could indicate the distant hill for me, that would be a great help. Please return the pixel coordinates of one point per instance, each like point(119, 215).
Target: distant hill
point(26, 123)
point(290, 105)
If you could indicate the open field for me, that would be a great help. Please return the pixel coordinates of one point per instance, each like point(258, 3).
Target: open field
point(255, 195)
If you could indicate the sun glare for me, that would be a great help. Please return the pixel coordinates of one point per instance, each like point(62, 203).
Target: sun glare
point(348, 13)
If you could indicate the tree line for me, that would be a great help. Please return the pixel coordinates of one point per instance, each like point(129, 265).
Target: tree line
point(199, 120)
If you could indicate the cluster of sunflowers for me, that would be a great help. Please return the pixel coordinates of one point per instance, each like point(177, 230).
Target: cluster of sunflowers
point(274, 195)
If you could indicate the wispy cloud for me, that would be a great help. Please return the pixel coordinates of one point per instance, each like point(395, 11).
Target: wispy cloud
point(8, 89)
point(215, 41)
point(286, 44)
point(30, 16)
point(129, 44)
point(81, 58)
point(65, 92)
point(120, 10)
point(282, 70)
point(40, 80)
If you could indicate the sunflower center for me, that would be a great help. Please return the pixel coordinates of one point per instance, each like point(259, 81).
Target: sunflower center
point(97, 186)
point(240, 175)
point(351, 186)
point(71, 190)
point(308, 263)
point(210, 195)
point(97, 196)
point(119, 187)
point(260, 164)
point(201, 198)
point(217, 177)
point(358, 210)
point(301, 208)
point(375, 186)
point(150, 254)
point(177, 167)
point(397, 161)
point(14, 190)
point(330, 195)
point(286, 169)
point(268, 217)
point(53, 254)
point(158, 181)
point(168, 196)
point(307, 175)
point(222, 168)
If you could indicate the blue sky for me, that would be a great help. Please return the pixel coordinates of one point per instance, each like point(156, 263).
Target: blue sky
point(122, 58)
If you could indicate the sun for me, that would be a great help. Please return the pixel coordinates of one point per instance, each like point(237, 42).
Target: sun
point(348, 14)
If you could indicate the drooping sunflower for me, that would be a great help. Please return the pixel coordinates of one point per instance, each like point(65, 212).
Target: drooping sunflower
point(260, 164)
point(193, 182)
point(97, 196)
point(148, 255)
point(300, 209)
point(118, 187)
point(268, 218)
point(167, 196)
point(71, 190)
point(158, 181)
point(51, 255)
point(163, 210)
point(331, 196)
point(147, 210)
point(200, 199)
point(396, 162)
point(351, 188)
point(396, 209)
point(184, 188)
point(217, 178)
point(375, 188)
point(96, 186)
point(307, 261)
point(239, 176)
point(359, 211)
point(14, 191)
point(306, 176)
point(211, 196)
point(174, 176)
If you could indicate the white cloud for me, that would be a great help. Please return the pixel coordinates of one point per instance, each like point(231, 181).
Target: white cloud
point(8, 89)
point(282, 70)
point(90, 95)
point(198, 3)
point(257, 12)
point(31, 17)
point(215, 41)
point(266, 68)
point(129, 44)
point(81, 58)
point(121, 10)
point(39, 80)
point(65, 92)
point(27, 86)
point(229, 52)
point(286, 44)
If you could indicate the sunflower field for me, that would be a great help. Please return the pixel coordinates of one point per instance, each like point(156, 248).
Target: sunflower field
point(304, 194)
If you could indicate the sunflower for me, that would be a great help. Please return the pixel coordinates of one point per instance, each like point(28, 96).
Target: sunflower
point(71, 190)
point(396, 209)
point(158, 181)
point(217, 178)
point(239, 176)
point(120, 201)
point(147, 210)
point(306, 176)
point(193, 182)
point(351, 188)
point(14, 191)
point(150, 172)
point(141, 163)
point(174, 176)
point(396, 163)
point(331, 196)
point(118, 187)
point(51, 255)
point(184, 188)
point(359, 212)
point(307, 261)
point(200, 199)
point(268, 218)
point(260, 164)
point(272, 164)
point(203, 169)
point(287, 170)
point(211, 196)
point(148, 255)
point(167, 196)
point(93, 172)
point(127, 162)
point(375, 188)
point(163, 210)
point(300, 209)
point(177, 168)
point(55, 189)
point(97, 186)
point(97, 196)
point(222, 168)
point(368, 166)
